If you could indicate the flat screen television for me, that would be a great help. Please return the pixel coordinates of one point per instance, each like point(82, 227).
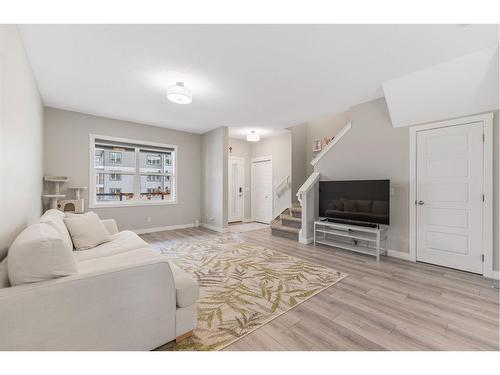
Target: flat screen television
point(355, 202)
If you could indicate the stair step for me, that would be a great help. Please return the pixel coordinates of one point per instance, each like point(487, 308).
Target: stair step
point(296, 211)
point(287, 217)
point(276, 225)
point(277, 229)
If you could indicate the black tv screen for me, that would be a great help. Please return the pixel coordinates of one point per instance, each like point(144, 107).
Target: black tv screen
point(359, 201)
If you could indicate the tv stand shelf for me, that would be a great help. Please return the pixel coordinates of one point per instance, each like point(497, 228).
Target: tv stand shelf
point(355, 238)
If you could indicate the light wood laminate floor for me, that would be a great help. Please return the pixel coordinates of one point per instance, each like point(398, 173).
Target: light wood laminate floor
point(390, 305)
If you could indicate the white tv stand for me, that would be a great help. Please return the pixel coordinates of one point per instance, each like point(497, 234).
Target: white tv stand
point(352, 237)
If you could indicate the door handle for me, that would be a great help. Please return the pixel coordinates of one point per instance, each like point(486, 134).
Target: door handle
point(420, 203)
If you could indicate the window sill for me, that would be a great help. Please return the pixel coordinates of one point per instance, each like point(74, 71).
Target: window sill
point(131, 204)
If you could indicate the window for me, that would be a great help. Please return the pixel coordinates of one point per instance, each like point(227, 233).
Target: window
point(132, 173)
point(115, 157)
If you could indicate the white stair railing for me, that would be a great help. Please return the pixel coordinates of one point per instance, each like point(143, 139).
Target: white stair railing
point(285, 180)
point(307, 197)
point(329, 146)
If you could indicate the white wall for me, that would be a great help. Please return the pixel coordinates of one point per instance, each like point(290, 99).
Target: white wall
point(280, 148)
point(300, 148)
point(214, 153)
point(67, 153)
point(21, 137)
point(456, 88)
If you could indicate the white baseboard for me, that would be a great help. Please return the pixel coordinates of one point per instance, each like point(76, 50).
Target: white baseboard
point(247, 220)
point(216, 229)
point(495, 275)
point(398, 254)
point(161, 229)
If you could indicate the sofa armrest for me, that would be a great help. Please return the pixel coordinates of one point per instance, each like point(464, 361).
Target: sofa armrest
point(126, 308)
point(110, 225)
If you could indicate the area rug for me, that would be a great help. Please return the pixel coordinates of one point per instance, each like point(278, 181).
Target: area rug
point(242, 287)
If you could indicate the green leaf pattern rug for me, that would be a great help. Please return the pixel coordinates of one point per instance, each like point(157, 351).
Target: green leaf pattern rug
point(242, 287)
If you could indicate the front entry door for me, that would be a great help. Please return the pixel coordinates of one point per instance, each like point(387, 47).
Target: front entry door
point(450, 196)
point(235, 189)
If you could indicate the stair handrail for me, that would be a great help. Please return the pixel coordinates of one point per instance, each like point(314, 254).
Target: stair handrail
point(306, 186)
point(281, 183)
point(329, 146)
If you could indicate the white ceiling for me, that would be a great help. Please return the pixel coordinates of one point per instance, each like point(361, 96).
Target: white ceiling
point(265, 77)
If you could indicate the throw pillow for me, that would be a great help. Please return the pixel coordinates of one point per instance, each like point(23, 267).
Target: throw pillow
point(38, 254)
point(86, 230)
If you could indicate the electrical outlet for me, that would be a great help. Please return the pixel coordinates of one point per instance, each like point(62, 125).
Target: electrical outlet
point(148, 219)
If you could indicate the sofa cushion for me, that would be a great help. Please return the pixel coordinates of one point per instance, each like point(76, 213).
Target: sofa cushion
point(119, 243)
point(4, 275)
point(186, 288)
point(38, 254)
point(86, 230)
point(57, 222)
point(119, 260)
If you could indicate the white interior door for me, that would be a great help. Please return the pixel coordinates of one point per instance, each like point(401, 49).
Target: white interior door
point(236, 182)
point(262, 190)
point(450, 196)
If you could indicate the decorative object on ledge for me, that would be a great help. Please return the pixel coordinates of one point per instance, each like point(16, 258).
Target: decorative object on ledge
point(327, 140)
point(332, 143)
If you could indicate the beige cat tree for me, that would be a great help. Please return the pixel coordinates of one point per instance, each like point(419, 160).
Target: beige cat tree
point(56, 199)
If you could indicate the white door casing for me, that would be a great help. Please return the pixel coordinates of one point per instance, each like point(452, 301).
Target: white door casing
point(486, 246)
point(449, 196)
point(236, 188)
point(262, 189)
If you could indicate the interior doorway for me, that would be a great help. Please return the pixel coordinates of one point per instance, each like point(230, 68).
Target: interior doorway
point(262, 189)
point(451, 218)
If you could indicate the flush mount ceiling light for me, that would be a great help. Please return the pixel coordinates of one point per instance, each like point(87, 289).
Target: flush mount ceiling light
point(179, 94)
point(253, 137)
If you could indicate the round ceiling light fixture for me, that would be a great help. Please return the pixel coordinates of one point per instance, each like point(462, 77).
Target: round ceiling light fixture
point(253, 137)
point(179, 94)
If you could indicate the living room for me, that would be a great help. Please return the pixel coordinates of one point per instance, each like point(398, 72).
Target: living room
point(175, 187)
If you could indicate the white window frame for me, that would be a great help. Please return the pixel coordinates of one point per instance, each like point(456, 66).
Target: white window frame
point(136, 201)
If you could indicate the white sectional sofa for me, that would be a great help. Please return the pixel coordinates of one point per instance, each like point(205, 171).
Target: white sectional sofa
point(124, 296)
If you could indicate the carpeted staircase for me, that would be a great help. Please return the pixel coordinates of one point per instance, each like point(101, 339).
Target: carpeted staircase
point(288, 224)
